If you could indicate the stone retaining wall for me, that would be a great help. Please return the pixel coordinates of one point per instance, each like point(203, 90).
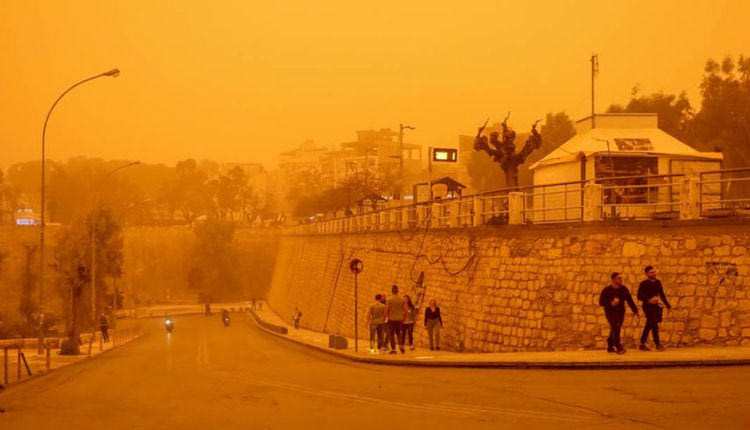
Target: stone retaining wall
point(525, 288)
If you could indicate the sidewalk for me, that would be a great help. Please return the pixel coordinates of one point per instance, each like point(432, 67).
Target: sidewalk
point(37, 362)
point(585, 359)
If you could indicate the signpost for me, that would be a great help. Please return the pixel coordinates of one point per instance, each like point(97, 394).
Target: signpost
point(439, 155)
point(356, 267)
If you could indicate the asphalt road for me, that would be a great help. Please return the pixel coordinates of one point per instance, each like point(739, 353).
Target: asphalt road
point(205, 376)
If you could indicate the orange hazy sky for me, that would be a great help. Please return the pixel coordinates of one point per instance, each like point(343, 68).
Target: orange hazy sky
point(245, 80)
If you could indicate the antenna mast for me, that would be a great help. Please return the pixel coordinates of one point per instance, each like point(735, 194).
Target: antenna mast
point(594, 71)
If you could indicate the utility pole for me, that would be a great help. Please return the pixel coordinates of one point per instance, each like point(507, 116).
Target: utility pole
point(594, 71)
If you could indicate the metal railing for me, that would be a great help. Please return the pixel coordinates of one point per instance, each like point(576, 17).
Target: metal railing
point(723, 192)
point(494, 207)
point(546, 203)
point(658, 196)
point(620, 198)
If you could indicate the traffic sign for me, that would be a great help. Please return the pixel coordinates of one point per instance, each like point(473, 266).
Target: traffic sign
point(356, 266)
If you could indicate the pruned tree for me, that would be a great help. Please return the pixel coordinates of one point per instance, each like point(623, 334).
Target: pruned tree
point(503, 151)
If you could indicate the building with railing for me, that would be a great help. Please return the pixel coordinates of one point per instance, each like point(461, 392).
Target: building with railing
point(629, 156)
point(694, 196)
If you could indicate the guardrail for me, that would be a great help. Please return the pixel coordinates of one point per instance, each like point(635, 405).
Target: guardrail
point(674, 196)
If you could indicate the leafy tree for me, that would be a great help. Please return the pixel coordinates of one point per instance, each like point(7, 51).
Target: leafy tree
point(723, 121)
point(233, 194)
point(191, 192)
point(28, 307)
point(675, 112)
point(557, 129)
point(72, 260)
point(9, 201)
point(213, 264)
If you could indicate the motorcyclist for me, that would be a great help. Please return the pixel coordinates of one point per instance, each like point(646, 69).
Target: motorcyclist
point(168, 323)
point(225, 316)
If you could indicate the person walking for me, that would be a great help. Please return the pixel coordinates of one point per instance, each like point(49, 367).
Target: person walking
point(296, 316)
point(613, 298)
point(386, 335)
point(649, 292)
point(395, 309)
point(104, 327)
point(375, 320)
point(433, 322)
point(409, 318)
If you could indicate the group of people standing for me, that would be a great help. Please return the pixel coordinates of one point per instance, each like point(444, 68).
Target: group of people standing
point(651, 295)
point(391, 320)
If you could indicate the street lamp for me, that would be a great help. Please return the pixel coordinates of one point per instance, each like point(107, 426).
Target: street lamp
point(401, 128)
point(114, 278)
point(94, 225)
point(40, 343)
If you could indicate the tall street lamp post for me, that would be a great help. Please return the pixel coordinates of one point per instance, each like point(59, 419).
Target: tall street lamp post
point(94, 225)
point(114, 278)
point(40, 343)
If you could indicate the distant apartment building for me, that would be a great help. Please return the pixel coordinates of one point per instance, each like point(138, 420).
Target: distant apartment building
point(375, 153)
point(250, 169)
point(304, 159)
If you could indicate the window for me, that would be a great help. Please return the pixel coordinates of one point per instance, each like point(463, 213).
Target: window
point(634, 144)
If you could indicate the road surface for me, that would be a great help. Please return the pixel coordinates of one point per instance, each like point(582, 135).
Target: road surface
point(205, 376)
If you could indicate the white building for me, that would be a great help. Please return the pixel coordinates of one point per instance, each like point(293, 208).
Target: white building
point(616, 145)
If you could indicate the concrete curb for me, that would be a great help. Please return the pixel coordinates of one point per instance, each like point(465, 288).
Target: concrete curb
point(276, 329)
point(551, 365)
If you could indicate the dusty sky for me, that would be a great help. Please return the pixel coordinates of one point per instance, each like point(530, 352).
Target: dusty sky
point(244, 80)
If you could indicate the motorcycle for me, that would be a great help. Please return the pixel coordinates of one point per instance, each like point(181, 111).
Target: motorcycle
point(169, 325)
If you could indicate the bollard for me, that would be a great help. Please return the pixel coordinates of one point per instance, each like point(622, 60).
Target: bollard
point(47, 363)
point(5, 365)
point(18, 351)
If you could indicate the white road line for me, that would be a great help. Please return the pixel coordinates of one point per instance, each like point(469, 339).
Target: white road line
point(447, 407)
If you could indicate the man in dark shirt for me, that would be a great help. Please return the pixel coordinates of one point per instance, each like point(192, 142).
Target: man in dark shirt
point(612, 299)
point(649, 293)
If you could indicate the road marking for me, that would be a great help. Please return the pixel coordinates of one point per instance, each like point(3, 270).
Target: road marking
point(446, 407)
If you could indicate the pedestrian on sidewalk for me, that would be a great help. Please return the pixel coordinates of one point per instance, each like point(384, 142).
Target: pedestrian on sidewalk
point(387, 335)
point(649, 292)
point(395, 309)
point(253, 303)
point(613, 298)
point(409, 318)
point(433, 322)
point(375, 320)
point(104, 327)
point(260, 305)
point(296, 317)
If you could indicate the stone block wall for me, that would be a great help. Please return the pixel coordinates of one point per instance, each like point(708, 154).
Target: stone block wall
point(525, 288)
